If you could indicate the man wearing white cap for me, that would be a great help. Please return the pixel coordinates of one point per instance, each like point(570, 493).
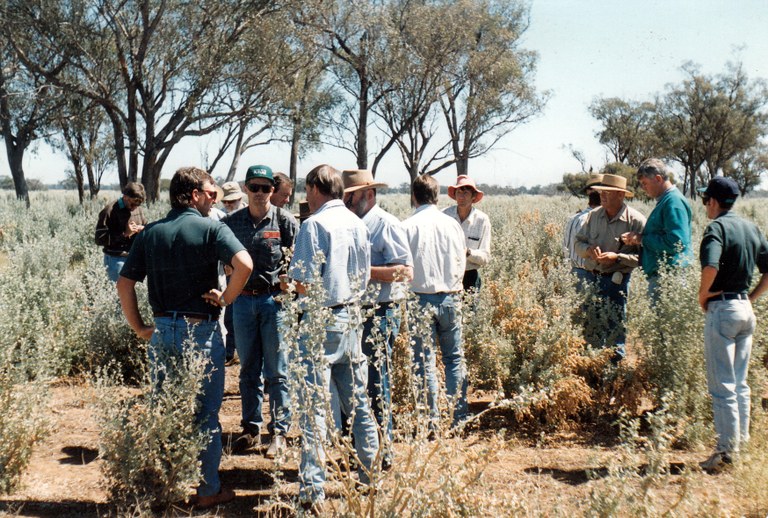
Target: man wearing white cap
point(476, 226)
point(609, 259)
point(391, 264)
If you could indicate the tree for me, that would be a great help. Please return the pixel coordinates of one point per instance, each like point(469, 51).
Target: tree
point(28, 103)
point(705, 121)
point(748, 167)
point(168, 57)
point(627, 128)
point(489, 90)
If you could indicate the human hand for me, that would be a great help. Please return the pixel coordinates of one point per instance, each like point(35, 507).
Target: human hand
point(632, 238)
point(145, 332)
point(607, 258)
point(213, 297)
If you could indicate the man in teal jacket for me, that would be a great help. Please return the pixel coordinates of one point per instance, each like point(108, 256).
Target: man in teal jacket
point(667, 234)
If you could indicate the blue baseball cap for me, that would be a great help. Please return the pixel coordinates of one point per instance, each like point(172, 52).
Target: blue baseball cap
point(721, 188)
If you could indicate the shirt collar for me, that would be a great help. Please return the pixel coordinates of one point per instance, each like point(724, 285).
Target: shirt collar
point(424, 207)
point(329, 205)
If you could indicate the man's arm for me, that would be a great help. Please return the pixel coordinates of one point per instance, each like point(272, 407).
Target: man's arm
point(242, 265)
point(126, 290)
point(482, 254)
point(392, 273)
point(708, 274)
point(759, 289)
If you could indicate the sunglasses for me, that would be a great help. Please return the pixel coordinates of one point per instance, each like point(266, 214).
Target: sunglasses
point(705, 199)
point(211, 194)
point(257, 187)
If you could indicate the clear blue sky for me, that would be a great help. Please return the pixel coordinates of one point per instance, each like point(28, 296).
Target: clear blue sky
point(587, 49)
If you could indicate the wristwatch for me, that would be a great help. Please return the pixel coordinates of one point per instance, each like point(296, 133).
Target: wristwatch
point(222, 302)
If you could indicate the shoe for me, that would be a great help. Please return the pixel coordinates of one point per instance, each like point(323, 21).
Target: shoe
point(206, 502)
point(249, 439)
point(717, 462)
point(276, 447)
point(232, 361)
point(311, 509)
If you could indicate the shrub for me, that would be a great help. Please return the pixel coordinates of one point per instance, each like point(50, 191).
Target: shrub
point(148, 441)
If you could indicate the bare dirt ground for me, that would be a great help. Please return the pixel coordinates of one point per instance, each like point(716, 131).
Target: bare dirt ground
point(551, 477)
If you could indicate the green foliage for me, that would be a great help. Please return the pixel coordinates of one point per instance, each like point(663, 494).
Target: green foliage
point(149, 442)
point(22, 421)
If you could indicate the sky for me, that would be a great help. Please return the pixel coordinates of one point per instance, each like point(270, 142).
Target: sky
point(587, 49)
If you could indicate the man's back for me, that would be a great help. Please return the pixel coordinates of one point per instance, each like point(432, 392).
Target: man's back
point(437, 246)
point(179, 257)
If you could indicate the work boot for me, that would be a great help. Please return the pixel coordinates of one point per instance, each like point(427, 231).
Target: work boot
point(276, 447)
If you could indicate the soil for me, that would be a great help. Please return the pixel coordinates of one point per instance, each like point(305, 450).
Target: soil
point(552, 475)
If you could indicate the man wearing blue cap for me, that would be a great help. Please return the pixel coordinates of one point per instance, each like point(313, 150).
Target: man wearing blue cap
point(730, 250)
point(265, 231)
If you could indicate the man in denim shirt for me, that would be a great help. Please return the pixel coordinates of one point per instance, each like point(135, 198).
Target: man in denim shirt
point(730, 250)
point(342, 239)
point(265, 231)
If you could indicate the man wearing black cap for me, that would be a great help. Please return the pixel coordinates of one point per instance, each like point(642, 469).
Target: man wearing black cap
point(265, 231)
point(730, 250)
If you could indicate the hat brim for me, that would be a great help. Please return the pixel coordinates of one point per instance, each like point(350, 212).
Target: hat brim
point(615, 189)
point(234, 197)
point(366, 186)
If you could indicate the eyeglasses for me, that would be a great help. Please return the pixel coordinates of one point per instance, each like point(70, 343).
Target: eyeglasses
point(211, 194)
point(705, 199)
point(257, 187)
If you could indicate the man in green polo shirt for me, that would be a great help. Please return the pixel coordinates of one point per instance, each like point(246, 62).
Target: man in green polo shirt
point(179, 257)
point(730, 250)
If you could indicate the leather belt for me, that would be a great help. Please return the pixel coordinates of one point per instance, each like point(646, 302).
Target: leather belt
point(729, 296)
point(185, 314)
point(260, 291)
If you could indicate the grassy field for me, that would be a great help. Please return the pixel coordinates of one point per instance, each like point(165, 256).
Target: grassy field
point(557, 429)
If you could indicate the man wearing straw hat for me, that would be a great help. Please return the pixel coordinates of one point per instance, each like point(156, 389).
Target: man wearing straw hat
point(391, 264)
point(476, 226)
point(609, 259)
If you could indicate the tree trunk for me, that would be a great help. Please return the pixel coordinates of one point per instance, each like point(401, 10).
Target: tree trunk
point(294, 161)
point(119, 146)
point(362, 129)
point(238, 153)
point(150, 175)
point(15, 158)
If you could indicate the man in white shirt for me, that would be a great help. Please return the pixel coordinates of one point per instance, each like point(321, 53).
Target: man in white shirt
point(574, 224)
point(476, 226)
point(439, 254)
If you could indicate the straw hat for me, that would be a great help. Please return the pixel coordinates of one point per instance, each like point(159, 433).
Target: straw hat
point(358, 179)
point(613, 182)
point(464, 181)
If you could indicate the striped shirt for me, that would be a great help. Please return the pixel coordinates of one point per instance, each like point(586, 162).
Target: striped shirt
point(572, 227)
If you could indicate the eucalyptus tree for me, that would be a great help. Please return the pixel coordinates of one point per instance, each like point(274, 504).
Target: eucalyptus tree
point(704, 122)
point(28, 105)
point(489, 90)
point(627, 128)
point(168, 56)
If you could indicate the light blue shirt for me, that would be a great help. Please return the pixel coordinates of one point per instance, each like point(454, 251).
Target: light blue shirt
point(342, 238)
point(388, 247)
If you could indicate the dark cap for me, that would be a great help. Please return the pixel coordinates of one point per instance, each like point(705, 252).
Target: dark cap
point(724, 190)
point(260, 171)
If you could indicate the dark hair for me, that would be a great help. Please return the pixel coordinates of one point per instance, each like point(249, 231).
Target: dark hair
point(327, 180)
point(280, 179)
point(594, 199)
point(186, 180)
point(134, 191)
point(652, 167)
point(425, 190)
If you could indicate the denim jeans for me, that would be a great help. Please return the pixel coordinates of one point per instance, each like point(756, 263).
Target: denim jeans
point(446, 330)
point(728, 332)
point(343, 364)
point(113, 264)
point(615, 298)
point(229, 341)
point(168, 340)
point(257, 319)
point(378, 348)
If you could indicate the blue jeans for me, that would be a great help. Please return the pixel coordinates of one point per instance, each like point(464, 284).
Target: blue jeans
point(113, 264)
point(446, 330)
point(168, 340)
point(378, 349)
point(615, 295)
point(229, 325)
point(257, 319)
point(343, 364)
point(728, 332)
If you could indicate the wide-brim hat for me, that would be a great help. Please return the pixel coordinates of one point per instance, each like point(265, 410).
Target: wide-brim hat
point(613, 182)
point(219, 192)
point(593, 180)
point(464, 181)
point(304, 211)
point(232, 192)
point(358, 179)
